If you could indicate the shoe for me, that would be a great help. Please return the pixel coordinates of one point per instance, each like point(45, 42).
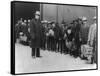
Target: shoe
point(33, 57)
point(75, 56)
point(39, 56)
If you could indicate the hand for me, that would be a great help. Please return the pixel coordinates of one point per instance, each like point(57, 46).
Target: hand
point(80, 39)
point(88, 42)
point(47, 34)
point(73, 39)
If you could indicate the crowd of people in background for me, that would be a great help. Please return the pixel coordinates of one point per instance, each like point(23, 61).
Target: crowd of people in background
point(22, 29)
point(60, 38)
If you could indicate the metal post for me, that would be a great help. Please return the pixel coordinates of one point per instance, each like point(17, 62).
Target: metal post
point(57, 13)
point(41, 11)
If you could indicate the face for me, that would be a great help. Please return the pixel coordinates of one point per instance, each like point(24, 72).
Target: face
point(37, 16)
point(69, 31)
point(53, 25)
point(25, 21)
point(84, 22)
point(28, 21)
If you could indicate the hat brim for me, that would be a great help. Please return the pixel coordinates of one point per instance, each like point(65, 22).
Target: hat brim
point(84, 20)
point(37, 14)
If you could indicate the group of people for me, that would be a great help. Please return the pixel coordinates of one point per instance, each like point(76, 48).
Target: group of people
point(64, 38)
point(22, 29)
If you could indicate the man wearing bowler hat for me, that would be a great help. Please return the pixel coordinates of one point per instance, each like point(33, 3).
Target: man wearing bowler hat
point(36, 35)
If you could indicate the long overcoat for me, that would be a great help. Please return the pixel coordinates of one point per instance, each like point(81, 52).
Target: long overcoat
point(36, 33)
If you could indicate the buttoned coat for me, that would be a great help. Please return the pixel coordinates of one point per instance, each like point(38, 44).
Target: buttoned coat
point(36, 33)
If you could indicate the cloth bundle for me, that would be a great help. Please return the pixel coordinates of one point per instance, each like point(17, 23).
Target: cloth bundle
point(87, 51)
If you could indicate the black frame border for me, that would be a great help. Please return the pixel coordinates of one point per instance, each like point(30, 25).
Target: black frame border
point(13, 43)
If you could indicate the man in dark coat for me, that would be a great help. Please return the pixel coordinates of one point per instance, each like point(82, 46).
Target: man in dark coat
point(61, 42)
point(76, 31)
point(43, 36)
point(54, 37)
point(69, 37)
point(84, 31)
point(36, 35)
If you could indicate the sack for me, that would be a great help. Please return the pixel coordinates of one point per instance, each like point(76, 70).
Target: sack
point(87, 51)
point(74, 47)
point(23, 38)
point(68, 44)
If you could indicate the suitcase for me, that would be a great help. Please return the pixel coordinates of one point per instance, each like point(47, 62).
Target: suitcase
point(87, 51)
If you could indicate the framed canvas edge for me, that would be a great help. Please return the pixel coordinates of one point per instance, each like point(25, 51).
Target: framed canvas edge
point(13, 43)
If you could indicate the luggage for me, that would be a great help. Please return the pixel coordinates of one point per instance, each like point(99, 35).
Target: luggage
point(23, 38)
point(68, 44)
point(87, 51)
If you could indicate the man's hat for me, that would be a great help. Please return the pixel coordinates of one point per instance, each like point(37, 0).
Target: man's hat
point(37, 13)
point(84, 19)
point(80, 18)
point(44, 21)
point(49, 22)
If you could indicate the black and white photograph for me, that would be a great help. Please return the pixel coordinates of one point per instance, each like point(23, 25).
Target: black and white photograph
point(53, 37)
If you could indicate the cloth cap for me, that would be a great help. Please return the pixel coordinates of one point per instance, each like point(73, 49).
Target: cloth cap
point(84, 18)
point(44, 21)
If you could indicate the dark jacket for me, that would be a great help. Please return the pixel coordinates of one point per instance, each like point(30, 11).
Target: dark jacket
point(84, 34)
point(61, 33)
point(36, 33)
point(69, 36)
point(56, 31)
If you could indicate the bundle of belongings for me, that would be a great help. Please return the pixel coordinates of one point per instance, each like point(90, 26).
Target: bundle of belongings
point(51, 32)
point(23, 39)
point(87, 51)
point(68, 44)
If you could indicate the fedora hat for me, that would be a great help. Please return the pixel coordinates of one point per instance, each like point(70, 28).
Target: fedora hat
point(37, 13)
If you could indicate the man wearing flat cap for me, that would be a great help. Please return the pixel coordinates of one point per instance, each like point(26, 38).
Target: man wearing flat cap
point(36, 35)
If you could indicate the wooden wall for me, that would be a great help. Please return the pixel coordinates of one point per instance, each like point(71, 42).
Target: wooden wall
point(53, 12)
